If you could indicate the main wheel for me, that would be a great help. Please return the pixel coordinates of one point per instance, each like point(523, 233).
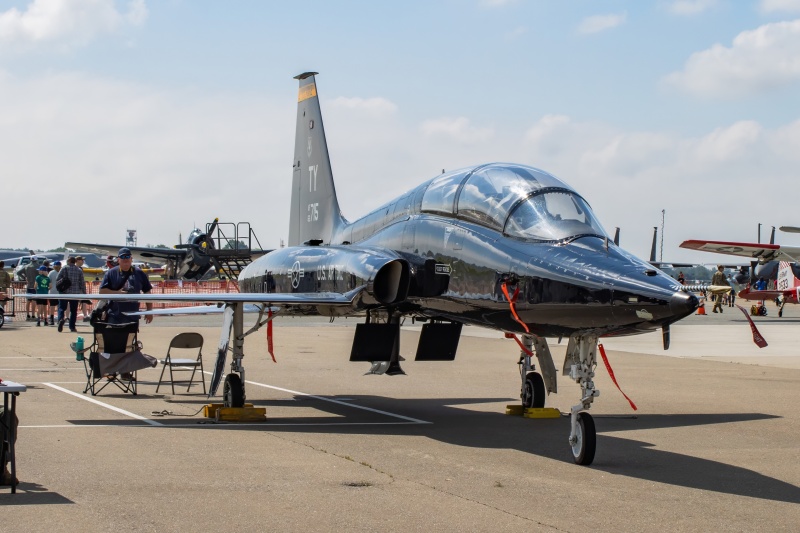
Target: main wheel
point(586, 440)
point(233, 391)
point(534, 392)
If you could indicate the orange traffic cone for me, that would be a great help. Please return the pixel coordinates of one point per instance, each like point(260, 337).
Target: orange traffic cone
point(701, 310)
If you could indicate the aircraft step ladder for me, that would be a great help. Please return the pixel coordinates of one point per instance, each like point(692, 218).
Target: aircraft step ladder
point(233, 247)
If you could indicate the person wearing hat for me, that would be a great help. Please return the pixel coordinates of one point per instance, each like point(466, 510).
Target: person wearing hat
point(719, 279)
point(42, 287)
point(77, 285)
point(125, 279)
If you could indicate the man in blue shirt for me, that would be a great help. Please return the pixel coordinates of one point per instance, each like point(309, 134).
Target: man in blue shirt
point(125, 279)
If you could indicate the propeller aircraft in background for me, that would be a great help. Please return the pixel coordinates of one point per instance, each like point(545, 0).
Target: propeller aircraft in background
point(192, 260)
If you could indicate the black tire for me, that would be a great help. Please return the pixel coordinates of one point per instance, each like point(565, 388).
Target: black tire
point(232, 391)
point(2, 317)
point(534, 393)
point(583, 450)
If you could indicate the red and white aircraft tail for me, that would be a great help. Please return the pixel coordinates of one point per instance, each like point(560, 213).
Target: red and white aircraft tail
point(787, 288)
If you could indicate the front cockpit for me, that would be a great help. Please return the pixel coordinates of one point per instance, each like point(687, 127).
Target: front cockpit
point(520, 201)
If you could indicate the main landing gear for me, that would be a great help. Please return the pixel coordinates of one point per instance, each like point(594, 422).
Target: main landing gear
point(232, 338)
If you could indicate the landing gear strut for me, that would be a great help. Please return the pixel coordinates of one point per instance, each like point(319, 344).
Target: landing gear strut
point(579, 364)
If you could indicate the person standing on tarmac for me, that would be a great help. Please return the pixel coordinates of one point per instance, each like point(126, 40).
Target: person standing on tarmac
point(719, 279)
point(77, 285)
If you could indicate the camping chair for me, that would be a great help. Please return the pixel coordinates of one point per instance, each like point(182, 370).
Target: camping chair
point(114, 357)
point(184, 341)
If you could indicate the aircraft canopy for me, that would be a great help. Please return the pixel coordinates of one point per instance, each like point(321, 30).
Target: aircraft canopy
point(544, 208)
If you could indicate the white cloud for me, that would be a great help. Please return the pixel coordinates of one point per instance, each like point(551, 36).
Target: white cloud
point(772, 6)
point(690, 7)
point(116, 155)
point(598, 23)
point(67, 22)
point(458, 129)
point(379, 107)
point(758, 60)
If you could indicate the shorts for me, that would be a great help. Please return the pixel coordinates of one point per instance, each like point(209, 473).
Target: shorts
point(86, 302)
point(53, 302)
point(28, 290)
point(42, 301)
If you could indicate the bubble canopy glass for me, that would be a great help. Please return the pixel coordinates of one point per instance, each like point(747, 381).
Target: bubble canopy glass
point(523, 202)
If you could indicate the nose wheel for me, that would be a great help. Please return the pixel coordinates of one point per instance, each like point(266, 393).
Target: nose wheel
point(585, 440)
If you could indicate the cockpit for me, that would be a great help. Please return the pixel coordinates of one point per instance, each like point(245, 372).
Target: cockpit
point(522, 202)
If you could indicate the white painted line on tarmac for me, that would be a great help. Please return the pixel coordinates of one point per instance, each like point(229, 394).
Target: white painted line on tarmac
point(340, 402)
point(44, 368)
point(209, 422)
point(107, 406)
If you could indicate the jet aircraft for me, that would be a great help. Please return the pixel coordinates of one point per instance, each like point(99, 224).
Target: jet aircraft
point(498, 245)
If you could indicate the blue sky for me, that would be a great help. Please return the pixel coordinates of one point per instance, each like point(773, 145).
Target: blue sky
point(162, 115)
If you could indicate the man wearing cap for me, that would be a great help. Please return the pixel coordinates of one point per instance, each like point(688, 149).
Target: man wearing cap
point(719, 279)
point(125, 279)
point(77, 285)
point(42, 287)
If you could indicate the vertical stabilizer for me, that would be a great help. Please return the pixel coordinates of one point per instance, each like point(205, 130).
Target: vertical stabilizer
point(314, 213)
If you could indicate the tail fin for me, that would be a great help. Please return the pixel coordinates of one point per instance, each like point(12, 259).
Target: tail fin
point(787, 280)
point(314, 213)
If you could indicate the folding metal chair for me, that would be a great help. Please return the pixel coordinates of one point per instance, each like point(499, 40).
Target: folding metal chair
point(184, 341)
point(111, 341)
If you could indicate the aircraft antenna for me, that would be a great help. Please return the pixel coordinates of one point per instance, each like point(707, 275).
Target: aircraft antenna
point(661, 251)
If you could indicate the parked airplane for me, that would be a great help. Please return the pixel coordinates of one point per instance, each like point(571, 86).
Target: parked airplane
point(499, 245)
point(766, 257)
point(188, 261)
point(787, 288)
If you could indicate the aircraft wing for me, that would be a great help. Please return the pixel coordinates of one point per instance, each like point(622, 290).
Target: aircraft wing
point(761, 251)
point(281, 299)
point(139, 253)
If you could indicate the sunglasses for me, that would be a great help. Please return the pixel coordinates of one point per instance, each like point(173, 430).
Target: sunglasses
point(126, 256)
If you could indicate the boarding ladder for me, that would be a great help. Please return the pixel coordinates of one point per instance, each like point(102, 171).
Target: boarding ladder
point(233, 246)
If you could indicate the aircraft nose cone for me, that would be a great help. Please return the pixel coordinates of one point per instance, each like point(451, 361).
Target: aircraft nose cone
point(683, 303)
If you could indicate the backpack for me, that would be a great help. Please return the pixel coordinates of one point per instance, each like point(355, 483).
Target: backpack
point(63, 282)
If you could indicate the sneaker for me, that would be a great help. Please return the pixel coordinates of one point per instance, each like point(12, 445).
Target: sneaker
point(86, 319)
point(73, 330)
point(61, 325)
point(52, 323)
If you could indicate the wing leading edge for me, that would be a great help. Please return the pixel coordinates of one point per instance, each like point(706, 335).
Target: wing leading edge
point(762, 251)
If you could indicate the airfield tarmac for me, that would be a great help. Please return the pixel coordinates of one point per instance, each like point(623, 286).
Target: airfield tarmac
point(713, 445)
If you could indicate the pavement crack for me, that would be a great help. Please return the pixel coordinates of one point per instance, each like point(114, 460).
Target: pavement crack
point(488, 506)
point(340, 456)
